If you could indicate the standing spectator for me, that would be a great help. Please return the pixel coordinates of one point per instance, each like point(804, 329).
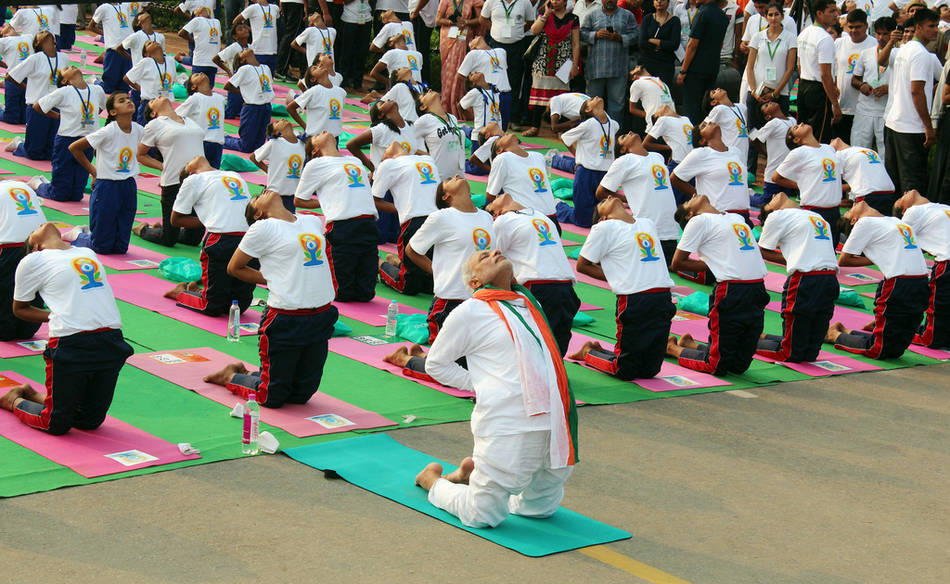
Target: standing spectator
point(493, 64)
point(581, 9)
point(609, 32)
point(293, 16)
point(456, 22)
point(262, 16)
point(872, 80)
point(422, 15)
point(659, 40)
point(701, 61)
point(509, 21)
point(772, 54)
point(561, 38)
point(910, 131)
point(817, 94)
point(847, 53)
point(354, 42)
point(728, 77)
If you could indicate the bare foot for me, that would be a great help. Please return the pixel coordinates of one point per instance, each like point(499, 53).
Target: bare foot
point(869, 327)
point(138, 227)
point(431, 473)
point(8, 400)
point(174, 292)
point(461, 474)
point(672, 348)
point(393, 259)
point(584, 350)
point(193, 286)
point(399, 357)
point(370, 97)
point(834, 331)
point(530, 132)
point(686, 341)
point(416, 350)
point(223, 376)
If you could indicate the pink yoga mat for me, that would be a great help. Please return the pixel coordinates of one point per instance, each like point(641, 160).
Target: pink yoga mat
point(355, 102)
point(323, 414)
point(40, 165)
point(372, 312)
point(585, 231)
point(858, 276)
point(482, 178)
point(775, 281)
point(137, 258)
point(826, 364)
point(672, 377)
point(24, 348)
point(14, 128)
point(372, 355)
point(88, 452)
point(586, 306)
point(561, 173)
point(697, 327)
point(928, 352)
point(146, 291)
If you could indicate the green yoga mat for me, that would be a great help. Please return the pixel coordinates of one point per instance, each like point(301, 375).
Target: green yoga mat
point(383, 466)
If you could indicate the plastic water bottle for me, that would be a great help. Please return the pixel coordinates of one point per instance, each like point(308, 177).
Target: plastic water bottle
point(391, 315)
point(549, 157)
point(234, 322)
point(82, 57)
point(252, 417)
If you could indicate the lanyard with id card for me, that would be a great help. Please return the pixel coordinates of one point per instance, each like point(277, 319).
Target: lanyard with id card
point(511, 28)
point(86, 114)
point(771, 71)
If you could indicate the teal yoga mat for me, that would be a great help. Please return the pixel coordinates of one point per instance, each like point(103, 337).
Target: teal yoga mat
point(383, 466)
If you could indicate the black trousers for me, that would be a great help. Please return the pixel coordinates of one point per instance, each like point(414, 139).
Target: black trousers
point(353, 257)
point(899, 306)
point(936, 331)
point(423, 36)
point(905, 159)
point(516, 73)
point(808, 303)
point(643, 327)
point(560, 304)
point(843, 128)
point(352, 45)
point(291, 22)
point(439, 310)
point(219, 288)
point(814, 108)
point(167, 234)
point(81, 372)
point(696, 87)
point(12, 327)
point(407, 278)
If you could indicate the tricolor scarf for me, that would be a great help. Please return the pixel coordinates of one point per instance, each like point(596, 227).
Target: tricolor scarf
point(556, 398)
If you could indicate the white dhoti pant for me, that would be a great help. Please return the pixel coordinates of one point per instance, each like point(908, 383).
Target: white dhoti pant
point(512, 475)
point(867, 131)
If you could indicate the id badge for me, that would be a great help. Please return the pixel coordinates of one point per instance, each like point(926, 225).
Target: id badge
point(874, 83)
point(770, 74)
point(666, 97)
point(165, 93)
point(454, 32)
point(511, 30)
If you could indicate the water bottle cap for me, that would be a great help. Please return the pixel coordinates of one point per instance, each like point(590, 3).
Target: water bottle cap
point(251, 396)
point(234, 303)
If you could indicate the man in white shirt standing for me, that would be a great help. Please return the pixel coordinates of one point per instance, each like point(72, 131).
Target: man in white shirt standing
point(848, 51)
point(817, 93)
point(910, 131)
point(872, 80)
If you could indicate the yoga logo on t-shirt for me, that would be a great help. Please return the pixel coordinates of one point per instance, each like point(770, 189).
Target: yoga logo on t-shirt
point(214, 118)
point(122, 18)
point(659, 177)
point(294, 166)
point(212, 36)
point(327, 47)
point(821, 228)
point(88, 113)
point(852, 61)
point(125, 159)
point(268, 17)
point(494, 113)
point(908, 234)
point(544, 232)
point(234, 187)
point(604, 146)
point(425, 173)
point(537, 177)
point(647, 247)
point(872, 156)
point(167, 81)
point(22, 200)
point(334, 109)
point(89, 273)
point(406, 146)
point(495, 63)
point(740, 128)
point(42, 20)
point(828, 170)
point(688, 132)
point(265, 82)
point(744, 235)
point(735, 173)
point(23, 50)
point(413, 64)
point(134, 9)
point(482, 239)
point(354, 175)
point(54, 76)
point(407, 34)
point(312, 249)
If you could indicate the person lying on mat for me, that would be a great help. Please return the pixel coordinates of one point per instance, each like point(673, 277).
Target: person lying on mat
point(214, 200)
point(298, 320)
point(624, 252)
point(20, 215)
point(801, 240)
point(525, 421)
point(901, 298)
point(86, 349)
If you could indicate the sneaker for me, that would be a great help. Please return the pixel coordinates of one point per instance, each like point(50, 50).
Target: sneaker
point(35, 182)
point(13, 144)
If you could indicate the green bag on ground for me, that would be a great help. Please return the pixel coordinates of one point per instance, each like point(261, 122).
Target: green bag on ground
point(180, 269)
point(413, 327)
point(563, 194)
point(582, 319)
point(479, 200)
point(235, 163)
point(562, 188)
point(179, 91)
point(340, 329)
point(279, 110)
point(849, 297)
point(574, 251)
point(697, 303)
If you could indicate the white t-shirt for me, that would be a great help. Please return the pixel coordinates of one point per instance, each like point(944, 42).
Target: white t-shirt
point(719, 175)
point(318, 42)
point(888, 242)
point(68, 14)
point(847, 53)
point(484, 104)
point(686, 14)
point(931, 225)
point(568, 105)
point(756, 23)
point(594, 142)
point(155, 78)
point(293, 261)
point(135, 42)
point(229, 52)
point(652, 94)
point(394, 5)
point(31, 21)
point(771, 56)
point(726, 244)
point(73, 284)
point(395, 59)
point(341, 183)
point(263, 20)
point(803, 237)
point(913, 63)
point(206, 111)
point(391, 29)
point(78, 108)
point(525, 179)
point(207, 35)
point(453, 236)
point(492, 63)
point(255, 82)
point(815, 47)
point(402, 95)
point(16, 49)
point(115, 24)
point(735, 17)
point(116, 151)
point(815, 170)
point(646, 185)
point(863, 170)
point(483, 152)
point(444, 141)
point(427, 13)
point(529, 239)
point(20, 212)
point(383, 136)
point(508, 19)
point(874, 75)
point(323, 107)
point(178, 143)
point(412, 180)
point(219, 199)
point(629, 254)
point(357, 12)
point(772, 134)
point(40, 72)
point(285, 164)
point(733, 122)
point(677, 132)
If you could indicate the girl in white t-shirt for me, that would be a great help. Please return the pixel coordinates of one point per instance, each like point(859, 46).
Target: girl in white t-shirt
point(255, 82)
point(205, 32)
point(442, 134)
point(397, 57)
point(481, 103)
point(315, 40)
point(133, 45)
point(405, 91)
point(14, 48)
point(593, 143)
point(206, 109)
point(309, 77)
point(282, 158)
point(114, 192)
point(323, 104)
point(241, 35)
point(153, 77)
point(39, 75)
